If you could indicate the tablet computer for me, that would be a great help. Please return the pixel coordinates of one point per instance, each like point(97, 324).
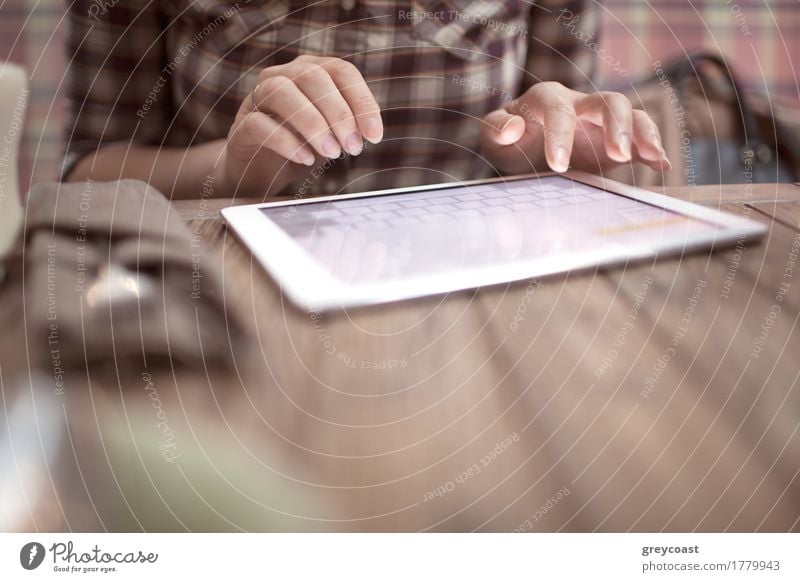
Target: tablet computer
point(376, 247)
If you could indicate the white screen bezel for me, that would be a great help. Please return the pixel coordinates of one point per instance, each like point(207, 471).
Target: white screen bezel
point(312, 287)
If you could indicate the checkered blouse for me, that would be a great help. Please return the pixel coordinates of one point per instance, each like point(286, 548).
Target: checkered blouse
point(173, 73)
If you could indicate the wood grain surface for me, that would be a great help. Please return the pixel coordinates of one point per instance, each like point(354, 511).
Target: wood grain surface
point(659, 396)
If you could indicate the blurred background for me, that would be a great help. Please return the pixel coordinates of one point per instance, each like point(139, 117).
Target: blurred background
point(758, 37)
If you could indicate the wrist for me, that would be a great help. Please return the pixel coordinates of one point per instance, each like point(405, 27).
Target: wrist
point(217, 164)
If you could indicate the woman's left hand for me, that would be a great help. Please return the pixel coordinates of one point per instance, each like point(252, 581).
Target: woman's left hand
point(564, 128)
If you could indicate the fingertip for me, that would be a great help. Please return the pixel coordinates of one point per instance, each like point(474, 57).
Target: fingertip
point(650, 155)
point(353, 144)
point(373, 129)
point(663, 157)
point(650, 150)
point(330, 148)
point(511, 131)
point(661, 165)
point(374, 140)
point(559, 159)
point(305, 157)
point(620, 150)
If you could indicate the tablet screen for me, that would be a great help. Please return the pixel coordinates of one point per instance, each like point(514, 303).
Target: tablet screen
point(376, 239)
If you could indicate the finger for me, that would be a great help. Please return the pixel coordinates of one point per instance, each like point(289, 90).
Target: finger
point(318, 86)
point(502, 128)
point(647, 140)
point(559, 134)
point(281, 97)
point(256, 131)
point(615, 113)
point(358, 95)
point(552, 106)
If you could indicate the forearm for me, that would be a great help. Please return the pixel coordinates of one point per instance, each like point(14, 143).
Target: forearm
point(177, 172)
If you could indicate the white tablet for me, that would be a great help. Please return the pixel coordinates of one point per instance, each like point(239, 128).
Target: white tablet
point(376, 247)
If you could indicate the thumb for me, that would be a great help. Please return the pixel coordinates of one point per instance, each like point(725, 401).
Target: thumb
point(502, 128)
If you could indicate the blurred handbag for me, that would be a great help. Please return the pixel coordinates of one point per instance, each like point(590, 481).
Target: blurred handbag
point(107, 275)
point(714, 132)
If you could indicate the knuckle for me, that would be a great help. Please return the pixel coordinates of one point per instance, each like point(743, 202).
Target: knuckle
point(294, 70)
point(309, 69)
point(341, 66)
point(546, 91)
point(366, 101)
point(344, 116)
point(309, 120)
point(277, 84)
point(316, 69)
point(537, 91)
point(615, 99)
point(551, 85)
point(563, 109)
point(265, 74)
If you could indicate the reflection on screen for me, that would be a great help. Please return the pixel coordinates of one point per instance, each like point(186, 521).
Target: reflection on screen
point(383, 238)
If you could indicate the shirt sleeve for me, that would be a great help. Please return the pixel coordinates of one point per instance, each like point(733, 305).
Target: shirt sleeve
point(118, 91)
point(563, 38)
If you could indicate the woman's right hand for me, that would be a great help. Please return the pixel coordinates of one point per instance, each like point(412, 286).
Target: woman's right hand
point(310, 108)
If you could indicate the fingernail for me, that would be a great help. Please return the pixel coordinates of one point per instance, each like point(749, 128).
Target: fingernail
point(372, 130)
point(305, 157)
point(330, 147)
point(506, 124)
point(662, 152)
point(560, 159)
point(353, 144)
point(625, 145)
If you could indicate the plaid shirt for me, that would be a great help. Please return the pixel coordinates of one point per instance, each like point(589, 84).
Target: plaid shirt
point(174, 73)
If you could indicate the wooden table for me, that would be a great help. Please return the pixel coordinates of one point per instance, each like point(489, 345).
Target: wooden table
point(660, 396)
